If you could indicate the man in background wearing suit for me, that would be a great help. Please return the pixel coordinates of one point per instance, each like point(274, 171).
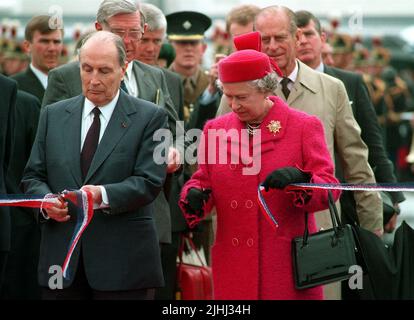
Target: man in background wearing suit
point(101, 141)
point(310, 53)
point(122, 17)
point(45, 47)
point(148, 51)
point(7, 104)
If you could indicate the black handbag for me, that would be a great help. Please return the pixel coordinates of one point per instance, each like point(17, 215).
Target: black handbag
point(325, 256)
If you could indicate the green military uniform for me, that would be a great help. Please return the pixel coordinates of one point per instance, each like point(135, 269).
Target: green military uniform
point(189, 26)
point(194, 87)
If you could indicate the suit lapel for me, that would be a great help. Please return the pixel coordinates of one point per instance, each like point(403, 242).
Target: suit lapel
point(329, 71)
point(307, 79)
point(72, 137)
point(35, 82)
point(295, 93)
point(117, 127)
point(146, 90)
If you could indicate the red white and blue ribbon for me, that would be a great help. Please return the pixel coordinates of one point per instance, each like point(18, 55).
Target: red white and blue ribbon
point(81, 199)
point(265, 209)
point(28, 201)
point(389, 187)
point(83, 202)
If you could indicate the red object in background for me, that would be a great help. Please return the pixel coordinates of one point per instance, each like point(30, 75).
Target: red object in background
point(13, 32)
point(402, 154)
point(376, 42)
point(335, 23)
point(76, 35)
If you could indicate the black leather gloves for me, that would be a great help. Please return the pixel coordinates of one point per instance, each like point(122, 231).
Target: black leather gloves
point(280, 178)
point(196, 199)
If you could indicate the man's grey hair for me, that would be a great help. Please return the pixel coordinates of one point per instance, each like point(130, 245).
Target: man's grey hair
point(154, 17)
point(267, 84)
point(105, 36)
point(289, 14)
point(110, 8)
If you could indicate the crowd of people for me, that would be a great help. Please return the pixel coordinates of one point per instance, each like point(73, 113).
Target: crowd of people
point(323, 109)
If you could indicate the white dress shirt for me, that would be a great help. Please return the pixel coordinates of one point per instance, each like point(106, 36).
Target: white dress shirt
point(104, 117)
point(40, 75)
point(292, 77)
point(320, 68)
point(131, 81)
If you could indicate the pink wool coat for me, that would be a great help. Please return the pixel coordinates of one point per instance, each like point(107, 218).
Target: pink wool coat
point(250, 260)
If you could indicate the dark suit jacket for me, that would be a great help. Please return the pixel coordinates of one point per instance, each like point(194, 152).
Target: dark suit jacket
point(366, 117)
point(65, 82)
point(8, 90)
point(27, 81)
point(175, 87)
point(25, 120)
point(120, 247)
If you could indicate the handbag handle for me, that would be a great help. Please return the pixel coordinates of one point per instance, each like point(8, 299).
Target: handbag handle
point(185, 240)
point(336, 222)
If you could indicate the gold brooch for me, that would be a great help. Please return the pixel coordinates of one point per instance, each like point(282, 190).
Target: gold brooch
point(274, 126)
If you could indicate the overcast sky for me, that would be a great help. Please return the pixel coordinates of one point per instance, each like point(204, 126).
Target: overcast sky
point(219, 7)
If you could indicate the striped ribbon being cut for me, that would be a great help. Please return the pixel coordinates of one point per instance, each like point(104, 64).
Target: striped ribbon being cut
point(82, 200)
point(389, 187)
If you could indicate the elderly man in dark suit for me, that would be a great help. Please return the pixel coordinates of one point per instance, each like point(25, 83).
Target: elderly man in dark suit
point(124, 18)
point(101, 141)
point(310, 53)
point(8, 90)
point(45, 46)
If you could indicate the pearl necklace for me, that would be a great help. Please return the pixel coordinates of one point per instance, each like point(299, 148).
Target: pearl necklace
point(252, 130)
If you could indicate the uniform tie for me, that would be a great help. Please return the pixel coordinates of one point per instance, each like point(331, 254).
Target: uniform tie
point(91, 142)
point(285, 88)
point(188, 96)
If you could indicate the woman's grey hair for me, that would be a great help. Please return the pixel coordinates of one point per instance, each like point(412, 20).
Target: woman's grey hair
point(110, 8)
point(267, 84)
point(154, 17)
point(110, 37)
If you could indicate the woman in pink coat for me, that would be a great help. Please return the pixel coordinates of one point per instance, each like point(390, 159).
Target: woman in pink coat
point(262, 141)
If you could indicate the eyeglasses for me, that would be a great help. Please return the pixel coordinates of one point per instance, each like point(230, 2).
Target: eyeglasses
point(132, 34)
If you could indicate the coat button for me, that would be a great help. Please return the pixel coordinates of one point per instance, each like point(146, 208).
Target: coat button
point(250, 242)
point(234, 204)
point(235, 242)
point(249, 204)
point(233, 166)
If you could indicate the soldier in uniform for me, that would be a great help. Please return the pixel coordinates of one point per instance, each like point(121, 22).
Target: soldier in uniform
point(185, 31)
point(363, 63)
point(343, 48)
